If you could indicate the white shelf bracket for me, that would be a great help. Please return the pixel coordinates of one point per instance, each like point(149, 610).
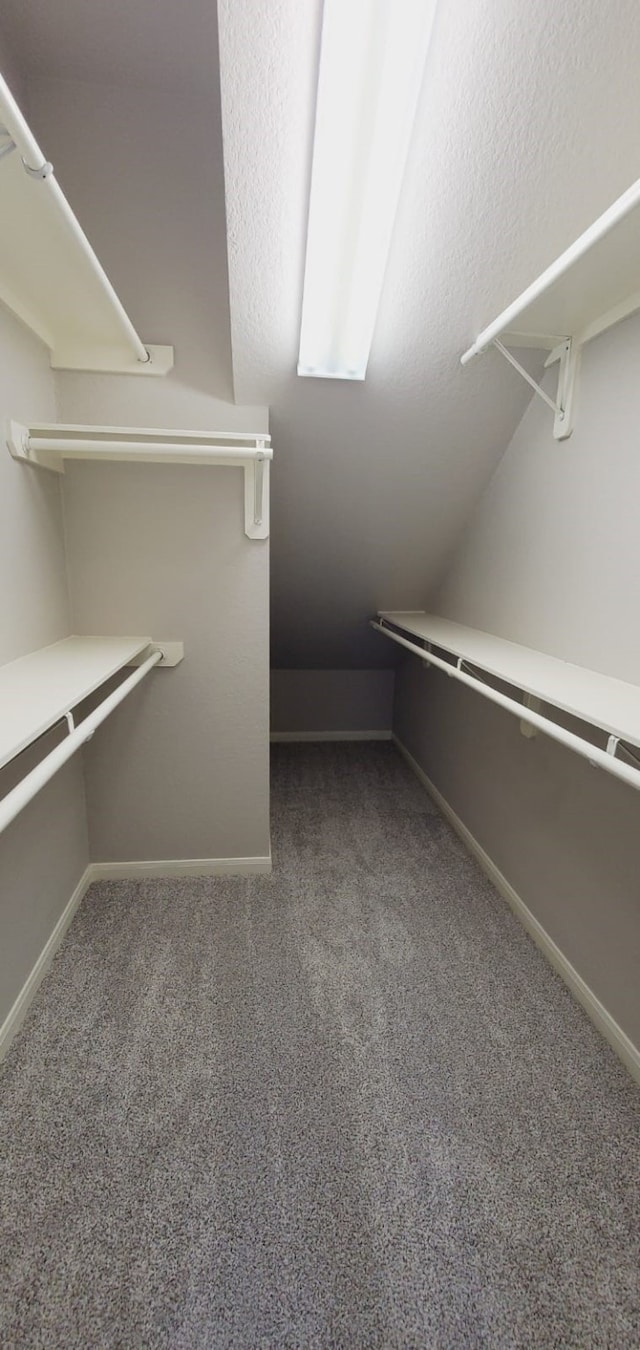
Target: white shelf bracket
point(47, 448)
point(43, 170)
point(533, 704)
point(256, 496)
point(19, 445)
point(567, 354)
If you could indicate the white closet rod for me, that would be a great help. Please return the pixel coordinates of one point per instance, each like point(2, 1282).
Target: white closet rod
point(591, 237)
point(20, 796)
point(103, 449)
point(603, 759)
point(38, 167)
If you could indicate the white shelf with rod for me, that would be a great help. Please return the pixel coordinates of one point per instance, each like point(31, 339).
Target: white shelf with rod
point(594, 284)
point(609, 704)
point(40, 690)
point(50, 276)
point(47, 446)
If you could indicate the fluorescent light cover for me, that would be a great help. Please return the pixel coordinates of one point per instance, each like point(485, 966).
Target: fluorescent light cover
point(372, 63)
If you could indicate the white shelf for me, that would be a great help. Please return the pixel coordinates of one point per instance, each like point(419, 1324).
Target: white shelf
point(38, 690)
point(47, 446)
point(592, 285)
point(605, 702)
point(50, 276)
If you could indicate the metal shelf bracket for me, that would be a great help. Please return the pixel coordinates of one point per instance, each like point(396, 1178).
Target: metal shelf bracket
point(567, 354)
point(47, 448)
point(256, 497)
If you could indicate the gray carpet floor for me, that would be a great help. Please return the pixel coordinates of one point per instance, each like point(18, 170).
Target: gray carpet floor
point(347, 1105)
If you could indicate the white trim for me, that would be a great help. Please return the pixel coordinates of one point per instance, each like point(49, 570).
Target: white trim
point(617, 1038)
point(17, 1013)
point(331, 735)
point(116, 871)
point(179, 867)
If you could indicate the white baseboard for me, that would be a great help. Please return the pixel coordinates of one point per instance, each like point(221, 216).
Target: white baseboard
point(17, 1013)
point(617, 1038)
point(331, 736)
point(179, 867)
point(117, 871)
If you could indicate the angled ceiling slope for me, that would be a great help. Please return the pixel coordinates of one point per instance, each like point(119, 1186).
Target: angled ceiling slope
point(525, 133)
point(518, 146)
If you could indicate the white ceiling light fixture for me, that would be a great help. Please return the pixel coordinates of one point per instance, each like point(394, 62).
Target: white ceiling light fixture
point(372, 61)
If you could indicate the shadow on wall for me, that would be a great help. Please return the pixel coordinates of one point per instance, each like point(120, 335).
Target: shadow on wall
point(325, 701)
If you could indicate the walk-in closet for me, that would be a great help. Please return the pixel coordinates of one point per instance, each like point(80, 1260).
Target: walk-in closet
point(319, 674)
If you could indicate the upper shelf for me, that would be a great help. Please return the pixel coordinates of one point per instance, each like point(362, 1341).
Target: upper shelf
point(48, 446)
point(592, 285)
point(49, 275)
point(38, 690)
point(598, 699)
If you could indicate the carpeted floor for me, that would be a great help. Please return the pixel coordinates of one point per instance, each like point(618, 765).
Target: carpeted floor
point(345, 1106)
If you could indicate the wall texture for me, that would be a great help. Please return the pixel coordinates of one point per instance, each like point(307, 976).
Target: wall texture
point(331, 700)
point(526, 131)
point(551, 558)
point(44, 852)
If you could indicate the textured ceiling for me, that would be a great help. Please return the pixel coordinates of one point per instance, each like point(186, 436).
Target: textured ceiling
point(527, 130)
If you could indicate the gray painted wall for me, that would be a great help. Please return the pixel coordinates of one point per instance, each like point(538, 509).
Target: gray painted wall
point(144, 176)
point(331, 700)
point(564, 835)
point(44, 852)
point(181, 771)
point(551, 558)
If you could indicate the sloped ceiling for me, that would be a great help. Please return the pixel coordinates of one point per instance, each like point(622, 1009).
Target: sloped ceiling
point(527, 130)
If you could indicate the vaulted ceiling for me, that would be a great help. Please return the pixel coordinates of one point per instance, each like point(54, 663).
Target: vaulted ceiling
point(527, 130)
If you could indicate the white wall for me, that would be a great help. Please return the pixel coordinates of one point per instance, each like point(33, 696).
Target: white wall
point(44, 852)
point(331, 700)
point(181, 770)
point(551, 558)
